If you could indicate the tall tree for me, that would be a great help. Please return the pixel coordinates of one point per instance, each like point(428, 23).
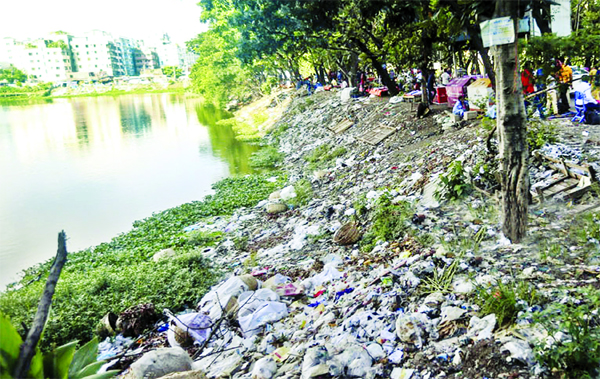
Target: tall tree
point(512, 131)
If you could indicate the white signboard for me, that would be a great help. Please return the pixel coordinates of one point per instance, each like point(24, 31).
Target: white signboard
point(498, 31)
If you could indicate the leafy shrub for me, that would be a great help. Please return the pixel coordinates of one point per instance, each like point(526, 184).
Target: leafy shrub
point(202, 238)
point(453, 183)
point(390, 222)
point(116, 275)
point(323, 156)
point(304, 192)
point(486, 173)
point(504, 300)
point(62, 362)
point(578, 354)
point(267, 157)
point(540, 133)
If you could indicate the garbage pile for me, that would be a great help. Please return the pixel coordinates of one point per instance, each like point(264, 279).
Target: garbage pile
point(305, 297)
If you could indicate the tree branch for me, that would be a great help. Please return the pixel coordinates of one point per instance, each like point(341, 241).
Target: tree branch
point(33, 337)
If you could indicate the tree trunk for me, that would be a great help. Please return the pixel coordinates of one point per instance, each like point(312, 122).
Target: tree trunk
point(512, 133)
point(354, 62)
point(378, 66)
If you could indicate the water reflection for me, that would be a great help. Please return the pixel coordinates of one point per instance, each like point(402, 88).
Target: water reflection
point(222, 139)
point(92, 166)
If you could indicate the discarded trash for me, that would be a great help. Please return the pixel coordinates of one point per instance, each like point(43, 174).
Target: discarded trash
point(189, 325)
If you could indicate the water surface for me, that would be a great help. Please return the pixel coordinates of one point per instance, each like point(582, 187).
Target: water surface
point(92, 166)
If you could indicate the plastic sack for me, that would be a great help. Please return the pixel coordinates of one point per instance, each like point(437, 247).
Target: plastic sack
point(264, 368)
point(267, 311)
point(216, 300)
point(197, 325)
point(315, 362)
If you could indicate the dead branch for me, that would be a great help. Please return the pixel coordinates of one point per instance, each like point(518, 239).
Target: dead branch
point(33, 337)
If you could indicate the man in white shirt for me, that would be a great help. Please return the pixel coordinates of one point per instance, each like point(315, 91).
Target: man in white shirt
point(445, 78)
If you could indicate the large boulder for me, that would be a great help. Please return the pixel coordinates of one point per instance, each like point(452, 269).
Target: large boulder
point(161, 362)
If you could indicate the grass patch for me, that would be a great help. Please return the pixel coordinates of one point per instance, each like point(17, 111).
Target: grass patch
point(268, 157)
point(304, 192)
point(504, 300)
point(118, 274)
point(540, 133)
point(323, 155)
point(390, 222)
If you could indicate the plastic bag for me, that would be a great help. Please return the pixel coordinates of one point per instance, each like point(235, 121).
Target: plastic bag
point(197, 325)
point(267, 311)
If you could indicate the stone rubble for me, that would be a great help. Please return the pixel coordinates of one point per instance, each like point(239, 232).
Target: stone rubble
point(295, 304)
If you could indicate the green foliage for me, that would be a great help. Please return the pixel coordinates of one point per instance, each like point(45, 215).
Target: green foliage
point(540, 133)
point(119, 274)
point(578, 355)
point(504, 300)
point(454, 183)
point(171, 71)
point(267, 157)
point(62, 362)
point(390, 222)
point(442, 279)
point(304, 192)
point(60, 44)
point(488, 123)
point(243, 131)
point(12, 75)
point(202, 238)
point(486, 173)
point(323, 156)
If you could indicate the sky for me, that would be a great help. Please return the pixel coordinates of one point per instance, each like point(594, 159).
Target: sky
point(141, 19)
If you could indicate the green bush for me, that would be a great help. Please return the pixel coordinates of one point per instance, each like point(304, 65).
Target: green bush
point(62, 362)
point(267, 157)
point(390, 222)
point(503, 300)
point(578, 355)
point(304, 192)
point(540, 133)
point(323, 156)
point(454, 183)
point(118, 274)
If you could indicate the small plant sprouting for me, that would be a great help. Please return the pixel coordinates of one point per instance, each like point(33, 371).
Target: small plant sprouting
point(454, 183)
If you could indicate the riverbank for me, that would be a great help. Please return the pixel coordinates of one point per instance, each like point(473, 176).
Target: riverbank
point(430, 288)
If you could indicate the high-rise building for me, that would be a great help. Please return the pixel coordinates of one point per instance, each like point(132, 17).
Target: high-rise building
point(173, 54)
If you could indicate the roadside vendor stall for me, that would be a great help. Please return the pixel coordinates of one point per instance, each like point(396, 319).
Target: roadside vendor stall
point(440, 95)
point(479, 93)
point(458, 87)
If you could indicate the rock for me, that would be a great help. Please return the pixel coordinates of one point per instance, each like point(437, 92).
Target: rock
point(434, 300)
point(264, 368)
point(275, 196)
point(160, 362)
point(315, 362)
point(164, 254)
point(449, 314)
point(409, 328)
point(274, 208)
point(193, 374)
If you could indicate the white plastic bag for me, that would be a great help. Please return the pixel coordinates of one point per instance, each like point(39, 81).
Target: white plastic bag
point(196, 324)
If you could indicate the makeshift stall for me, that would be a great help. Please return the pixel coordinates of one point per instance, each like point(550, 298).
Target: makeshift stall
point(440, 95)
point(458, 87)
point(479, 92)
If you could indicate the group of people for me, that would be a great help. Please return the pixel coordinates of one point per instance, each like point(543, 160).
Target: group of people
point(555, 99)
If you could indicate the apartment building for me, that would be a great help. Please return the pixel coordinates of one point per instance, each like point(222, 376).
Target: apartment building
point(145, 57)
point(97, 52)
point(42, 60)
point(173, 54)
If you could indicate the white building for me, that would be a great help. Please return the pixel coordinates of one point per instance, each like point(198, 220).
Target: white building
point(97, 52)
point(42, 60)
point(173, 54)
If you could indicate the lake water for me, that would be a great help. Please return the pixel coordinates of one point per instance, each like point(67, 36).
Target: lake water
point(92, 166)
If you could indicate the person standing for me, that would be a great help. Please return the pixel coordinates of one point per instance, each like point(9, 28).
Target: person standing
point(565, 77)
point(445, 78)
